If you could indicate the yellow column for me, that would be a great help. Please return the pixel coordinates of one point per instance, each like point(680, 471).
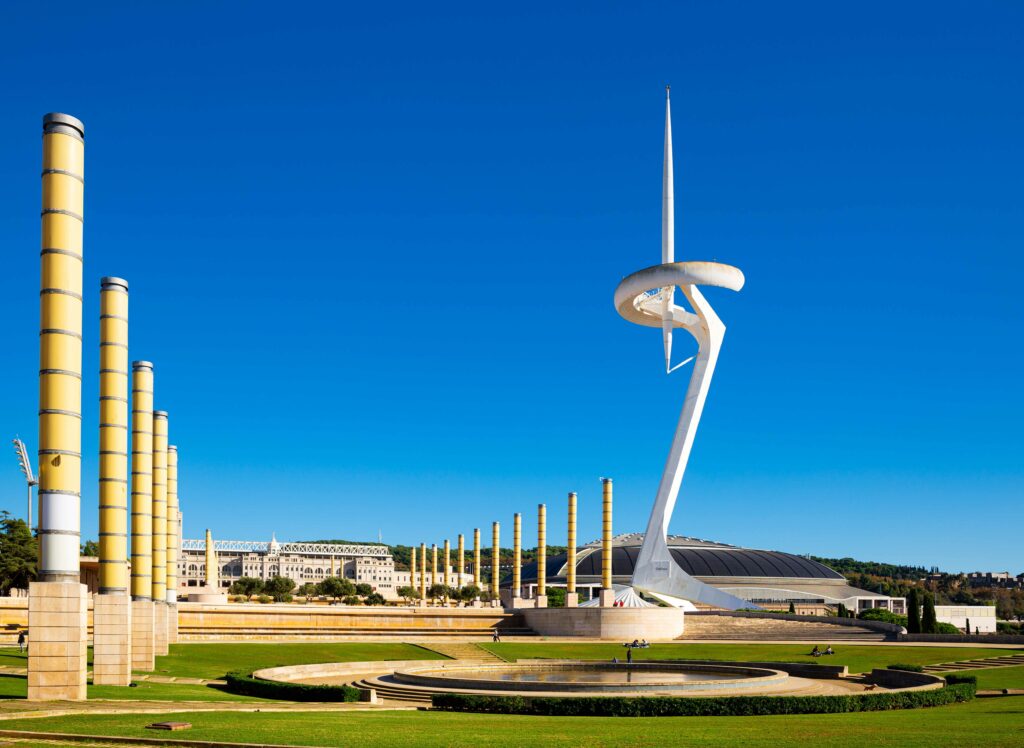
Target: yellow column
point(496, 561)
point(606, 534)
point(476, 557)
point(412, 569)
point(334, 570)
point(113, 489)
point(542, 551)
point(462, 561)
point(173, 524)
point(60, 349)
point(159, 506)
point(433, 564)
point(517, 555)
point(570, 559)
point(142, 480)
point(447, 561)
point(423, 571)
point(212, 573)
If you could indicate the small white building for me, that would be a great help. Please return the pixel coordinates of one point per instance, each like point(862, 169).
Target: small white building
point(982, 617)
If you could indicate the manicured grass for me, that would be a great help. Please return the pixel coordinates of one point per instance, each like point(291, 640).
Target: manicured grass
point(15, 687)
point(215, 660)
point(12, 657)
point(994, 723)
point(999, 677)
point(858, 659)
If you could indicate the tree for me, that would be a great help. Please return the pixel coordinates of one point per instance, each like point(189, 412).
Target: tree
point(556, 597)
point(335, 587)
point(409, 593)
point(18, 554)
point(352, 600)
point(279, 588)
point(363, 589)
point(90, 548)
point(929, 625)
point(375, 598)
point(435, 591)
point(308, 590)
point(792, 608)
point(913, 612)
point(247, 586)
point(469, 593)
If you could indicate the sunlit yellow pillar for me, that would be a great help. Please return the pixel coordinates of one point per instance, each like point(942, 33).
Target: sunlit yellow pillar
point(542, 555)
point(142, 516)
point(173, 543)
point(476, 557)
point(423, 571)
point(571, 597)
point(517, 557)
point(607, 593)
point(433, 564)
point(160, 531)
point(57, 602)
point(412, 570)
point(447, 561)
point(496, 561)
point(462, 561)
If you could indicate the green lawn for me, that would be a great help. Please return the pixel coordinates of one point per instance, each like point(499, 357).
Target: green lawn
point(858, 659)
point(1000, 677)
point(12, 657)
point(214, 660)
point(994, 723)
point(14, 687)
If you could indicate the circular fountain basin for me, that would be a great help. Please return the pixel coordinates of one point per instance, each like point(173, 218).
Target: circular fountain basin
point(593, 677)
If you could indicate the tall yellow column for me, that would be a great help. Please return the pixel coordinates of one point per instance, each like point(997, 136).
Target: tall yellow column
point(462, 561)
point(607, 593)
point(212, 573)
point(334, 567)
point(496, 561)
point(542, 555)
point(412, 570)
point(423, 572)
point(173, 543)
point(160, 531)
point(57, 602)
point(517, 558)
point(447, 561)
point(143, 630)
point(112, 607)
point(433, 564)
point(476, 557)
point(571, 596)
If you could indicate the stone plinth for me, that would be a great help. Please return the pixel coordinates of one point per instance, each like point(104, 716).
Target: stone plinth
point(209, 596)
point(572, 599)
point(58, 641)
point(541, 601)
point(606, 598)
point(620, 624)
point(143, 657)
point(520, 602)
point(159, 628)
point(111, 640)
point(172, 623)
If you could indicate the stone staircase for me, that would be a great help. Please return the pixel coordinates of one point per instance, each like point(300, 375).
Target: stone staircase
point(1009, 660)
point(466, 651)
point(735, 628)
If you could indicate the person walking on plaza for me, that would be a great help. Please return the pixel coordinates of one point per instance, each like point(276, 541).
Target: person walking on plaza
point(497, 637)
point(22, 641)
point(629, 656)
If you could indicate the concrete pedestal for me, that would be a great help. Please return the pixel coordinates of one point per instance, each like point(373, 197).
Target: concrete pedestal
point(606, 598)
point(518, 603)
point(111, 640)
point(159, 628)
point(143, 657)
point(58, 640)
point(541, 601)
point(172, 623)
point(617, 624)
point(572, 599)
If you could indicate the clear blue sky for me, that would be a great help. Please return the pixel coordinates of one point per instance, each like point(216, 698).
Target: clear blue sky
point(372, 250)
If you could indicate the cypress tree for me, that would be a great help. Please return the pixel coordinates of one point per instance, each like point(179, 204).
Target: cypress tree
point(792, 608)
point(928, 623)
point(913, 612)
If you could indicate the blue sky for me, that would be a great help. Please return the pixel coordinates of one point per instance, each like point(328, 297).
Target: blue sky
point(372, 253)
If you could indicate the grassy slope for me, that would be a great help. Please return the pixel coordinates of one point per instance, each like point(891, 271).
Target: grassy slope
point(993, 723)
point(859, 659)
point(1000, 677)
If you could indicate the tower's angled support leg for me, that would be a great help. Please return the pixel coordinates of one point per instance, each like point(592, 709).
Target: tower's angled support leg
point(656, 570)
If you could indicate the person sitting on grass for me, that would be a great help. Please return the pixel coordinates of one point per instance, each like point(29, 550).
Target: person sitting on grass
point(815, 652)
point(828, 650)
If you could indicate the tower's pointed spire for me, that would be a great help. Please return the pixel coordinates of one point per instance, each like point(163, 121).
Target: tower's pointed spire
point(668, 207)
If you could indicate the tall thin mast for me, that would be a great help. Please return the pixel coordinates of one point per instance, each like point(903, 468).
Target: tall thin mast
point(668, 235)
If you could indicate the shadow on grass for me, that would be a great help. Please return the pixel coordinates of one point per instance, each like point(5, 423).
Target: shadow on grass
point(10, 688)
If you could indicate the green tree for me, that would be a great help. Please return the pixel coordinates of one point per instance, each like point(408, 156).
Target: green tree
point(352, 600)
point(792, 608)
point(929, 625)
point(335, 587)
point(841, 611)
point(308, 590)
point(247, 586)
point(363, 589)
point(409, 593)
point(279, 588)
point(469, 593)
point(556, 597)
point(90, 548)
point(913, 612)
point(375, 598)
point(18, 554)
point(435, 591)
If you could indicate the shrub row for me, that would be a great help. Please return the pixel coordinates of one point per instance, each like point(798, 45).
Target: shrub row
point(955, 679)
point(908, 668)
point(243, 682)
point(681, 706)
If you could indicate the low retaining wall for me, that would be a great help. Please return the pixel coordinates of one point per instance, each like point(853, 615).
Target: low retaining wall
point(981, 640)
point(890, 629)
point(796, 669)
point(298, 673)
point(906, 680)
point(272, 622)
point(621, 624)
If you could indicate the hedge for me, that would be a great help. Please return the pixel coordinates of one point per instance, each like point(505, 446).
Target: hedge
point(242, 682)
point(955, 679)
point(682, 706)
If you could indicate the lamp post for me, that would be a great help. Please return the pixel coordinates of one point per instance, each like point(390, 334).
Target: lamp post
point(30, 478)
